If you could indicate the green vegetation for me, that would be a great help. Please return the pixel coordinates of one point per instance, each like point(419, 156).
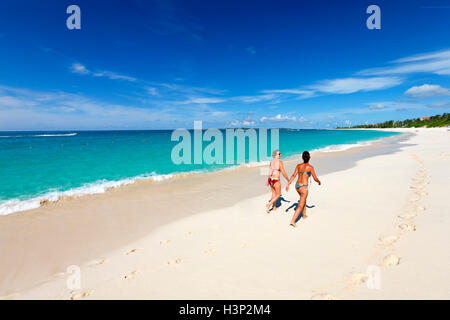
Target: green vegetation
point(433, 121)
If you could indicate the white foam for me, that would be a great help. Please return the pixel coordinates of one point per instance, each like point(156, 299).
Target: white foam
point(42, 135)
point(16, 205)
point(56, 135)
point(342, 147)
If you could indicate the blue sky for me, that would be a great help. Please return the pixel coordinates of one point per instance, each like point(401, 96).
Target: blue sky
point(163, 64)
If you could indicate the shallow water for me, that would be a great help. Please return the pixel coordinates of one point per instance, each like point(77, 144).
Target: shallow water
point(39, 166)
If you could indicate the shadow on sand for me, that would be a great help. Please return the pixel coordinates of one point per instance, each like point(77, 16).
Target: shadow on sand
point(295, 206)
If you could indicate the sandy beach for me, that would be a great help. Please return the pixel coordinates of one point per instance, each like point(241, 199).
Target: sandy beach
point(377, 228)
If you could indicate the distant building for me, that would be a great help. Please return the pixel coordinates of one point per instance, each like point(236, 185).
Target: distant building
point(424, 118)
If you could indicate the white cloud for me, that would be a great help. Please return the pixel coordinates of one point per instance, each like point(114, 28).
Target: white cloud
point(434, 62)
point(253, 99)
point(152, 91)
point(279, 117)
point(22, 109)
point(183, 89)
point(375, 78)
point(219, 113)
point(202, 101)
point(243, 123)
point(341, 86)
point(379, 105)
point(301, 92)
point(78, 68)
point(352, 85)
point(440, 105)
point(8, 101)
point(250, 50)
point(113, 76)
point(427, 91)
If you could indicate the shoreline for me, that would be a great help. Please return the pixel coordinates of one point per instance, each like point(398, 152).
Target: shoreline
point(377, 229)
point(125, 216)
point(12, 206)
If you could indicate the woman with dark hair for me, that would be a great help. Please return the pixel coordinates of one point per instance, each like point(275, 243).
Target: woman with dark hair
point(304, 171)
point(275, 168)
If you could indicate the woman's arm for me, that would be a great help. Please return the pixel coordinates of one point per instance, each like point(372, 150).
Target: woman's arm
point(283, 172)
point(314, 175)
point(292, 178)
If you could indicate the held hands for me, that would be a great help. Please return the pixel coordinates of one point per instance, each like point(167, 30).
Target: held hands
point(287, 188)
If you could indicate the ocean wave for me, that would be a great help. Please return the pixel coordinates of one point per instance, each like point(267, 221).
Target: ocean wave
point(343, 147)
point(16, 205)
point(42, 135)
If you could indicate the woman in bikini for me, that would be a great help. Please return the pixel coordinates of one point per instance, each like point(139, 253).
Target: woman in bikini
point(275, 167)
point(304, 171)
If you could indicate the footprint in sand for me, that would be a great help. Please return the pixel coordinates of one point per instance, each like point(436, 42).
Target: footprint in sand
point(81, 295)
point(98, 262)
point(9, 296)
point(164, 241)
point(359, 278)
point(133, 251)
point(246, 244)
point(389, 240)
point(390, 260)
point(414, 199)
point(420, 193)
point(407, 216)
point(210, 250)
point(176, 261)
point(191, 233)
point(132, 274)
point(59, 274)
point(420, 208)
point(323, 296)
point(407, 227)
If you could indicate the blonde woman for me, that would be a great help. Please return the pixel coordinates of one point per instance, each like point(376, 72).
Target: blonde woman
point(275, 167)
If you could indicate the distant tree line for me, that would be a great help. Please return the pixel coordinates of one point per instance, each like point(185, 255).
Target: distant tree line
point(433, 121)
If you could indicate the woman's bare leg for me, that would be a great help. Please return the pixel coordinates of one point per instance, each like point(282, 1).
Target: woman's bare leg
point(303, 193)
point(304, 206)
point(277, 187)
point(273, 196)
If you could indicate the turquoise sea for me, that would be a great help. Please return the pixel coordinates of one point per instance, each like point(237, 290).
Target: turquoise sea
point(39, 166)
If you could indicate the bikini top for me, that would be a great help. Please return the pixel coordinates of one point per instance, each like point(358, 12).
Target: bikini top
point(273, 169)
point(307, 172)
